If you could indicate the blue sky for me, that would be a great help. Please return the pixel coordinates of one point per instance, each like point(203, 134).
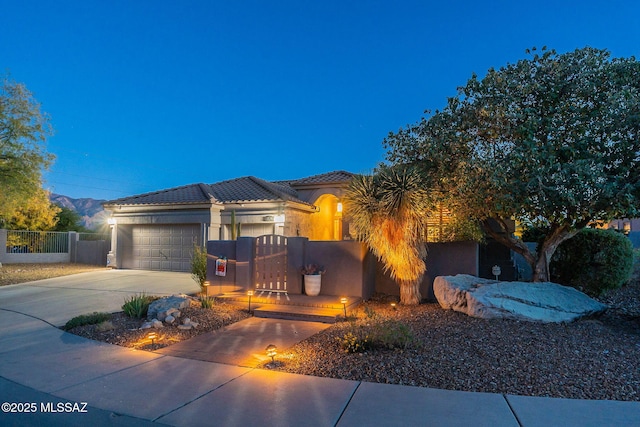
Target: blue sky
point(151, 94)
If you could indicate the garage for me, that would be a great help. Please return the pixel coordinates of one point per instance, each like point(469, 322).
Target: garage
point(160, 247)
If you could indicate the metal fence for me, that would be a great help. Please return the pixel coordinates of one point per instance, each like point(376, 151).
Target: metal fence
point(37, 242)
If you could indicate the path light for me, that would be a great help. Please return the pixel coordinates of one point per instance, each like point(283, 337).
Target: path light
point(343, 301)
point(152, 336)
point(393, 305)
point(206, 285)
point(272, 350)
point(249, 293)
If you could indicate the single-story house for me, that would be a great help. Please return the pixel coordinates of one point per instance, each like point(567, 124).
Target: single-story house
point(158, 230)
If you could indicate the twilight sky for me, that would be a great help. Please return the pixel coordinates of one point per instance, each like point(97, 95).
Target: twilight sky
point(151, 94)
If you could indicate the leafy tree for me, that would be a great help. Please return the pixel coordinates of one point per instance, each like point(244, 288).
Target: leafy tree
point(69, 220)
point(551, 141)
point(36, 213)
point(23, 131)
point(387, 212)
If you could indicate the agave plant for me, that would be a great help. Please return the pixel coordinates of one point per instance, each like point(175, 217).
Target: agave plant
point(388, 213)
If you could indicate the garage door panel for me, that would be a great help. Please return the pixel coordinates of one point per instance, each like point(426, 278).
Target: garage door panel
point(161, 247)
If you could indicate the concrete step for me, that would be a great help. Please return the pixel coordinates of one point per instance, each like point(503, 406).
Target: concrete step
point(291, 312)
point(322, 308)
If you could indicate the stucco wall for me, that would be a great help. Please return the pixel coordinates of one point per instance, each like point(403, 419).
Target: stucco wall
point(351, 270)
point(443, 259)
point(344, 262)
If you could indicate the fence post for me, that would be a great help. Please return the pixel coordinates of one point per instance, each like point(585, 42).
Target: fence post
point(3, 245)
point(245, 253)
point(73, 246)
point(296, 258)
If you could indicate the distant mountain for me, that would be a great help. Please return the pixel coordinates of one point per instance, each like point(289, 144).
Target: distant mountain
point(90, 210)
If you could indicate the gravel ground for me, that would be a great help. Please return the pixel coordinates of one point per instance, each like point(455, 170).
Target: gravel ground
point(11, 274)
point(594, 358)
point(125, 331)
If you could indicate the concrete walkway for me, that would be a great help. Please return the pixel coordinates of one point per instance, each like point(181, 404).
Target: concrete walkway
point(43, 368)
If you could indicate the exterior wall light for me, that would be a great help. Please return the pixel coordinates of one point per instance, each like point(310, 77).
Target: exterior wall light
point(339, 207)
point(272, 350)
point(279, 219)
point(111, 221)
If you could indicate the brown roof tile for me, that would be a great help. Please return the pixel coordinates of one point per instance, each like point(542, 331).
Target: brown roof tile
point(243, 189)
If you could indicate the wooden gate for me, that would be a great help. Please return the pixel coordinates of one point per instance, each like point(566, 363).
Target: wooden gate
point(271, 265)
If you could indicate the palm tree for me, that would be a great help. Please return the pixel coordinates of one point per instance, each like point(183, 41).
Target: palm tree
point(387, 212)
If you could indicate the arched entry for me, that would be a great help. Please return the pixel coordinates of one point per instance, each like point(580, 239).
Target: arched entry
point(326, 224)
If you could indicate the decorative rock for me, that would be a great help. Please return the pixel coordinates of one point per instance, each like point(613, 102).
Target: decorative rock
point(159, 308)
point(537, 301)
point(173, 312)
point(184, 327)
point(170, 319)
point(146, 325)
point(157, 324)
point(189, 323)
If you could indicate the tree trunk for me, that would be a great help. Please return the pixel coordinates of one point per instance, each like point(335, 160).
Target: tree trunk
point(410, 293)
point(539, 262)
point(547, 248)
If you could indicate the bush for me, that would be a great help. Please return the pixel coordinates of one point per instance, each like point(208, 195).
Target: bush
point(137, 305)
point(87, 319)
point(593, 261)
point(355, 341)
point(207, 302)
point(379, 333)
point(199, 267)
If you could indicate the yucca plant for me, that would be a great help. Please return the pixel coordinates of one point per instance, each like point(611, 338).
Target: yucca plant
point(388, 212)
point(207, 301)
point(137, 305)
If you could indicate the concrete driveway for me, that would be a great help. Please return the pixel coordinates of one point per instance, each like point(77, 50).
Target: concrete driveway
point(59, 299)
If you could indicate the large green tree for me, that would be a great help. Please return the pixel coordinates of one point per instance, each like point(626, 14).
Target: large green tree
point(23, 132)
point(551, 141)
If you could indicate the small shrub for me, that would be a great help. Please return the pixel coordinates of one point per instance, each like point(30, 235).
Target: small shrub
point(593, 261)
point(137, 305)
point(380, 333)
point(393, 334)
point(370, 313)
point(207, 302)
point(355, 341)
point(199, 267)
point(87, 319)
point(105, 326)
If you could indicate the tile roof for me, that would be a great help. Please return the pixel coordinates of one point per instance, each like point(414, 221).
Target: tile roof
point(187, 194)
point(250, 188)
point(243, 189)
point(335, 177)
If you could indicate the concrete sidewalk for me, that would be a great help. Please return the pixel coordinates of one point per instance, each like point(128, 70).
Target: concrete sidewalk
point(44, 366)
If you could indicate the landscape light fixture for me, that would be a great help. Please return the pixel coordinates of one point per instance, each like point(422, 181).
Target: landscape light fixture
point(344, 306)
point(393, 305)
point(152, 336)
point(249, 294)
point(272, 350)
point(206, 285)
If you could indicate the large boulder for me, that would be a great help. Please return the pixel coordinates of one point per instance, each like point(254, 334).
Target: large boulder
point(160, 308)
point(489, 299)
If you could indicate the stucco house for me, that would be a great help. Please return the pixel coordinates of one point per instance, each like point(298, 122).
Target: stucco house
point(158, 230)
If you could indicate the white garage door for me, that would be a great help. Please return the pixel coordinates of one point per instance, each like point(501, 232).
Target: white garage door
point(161, 247)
